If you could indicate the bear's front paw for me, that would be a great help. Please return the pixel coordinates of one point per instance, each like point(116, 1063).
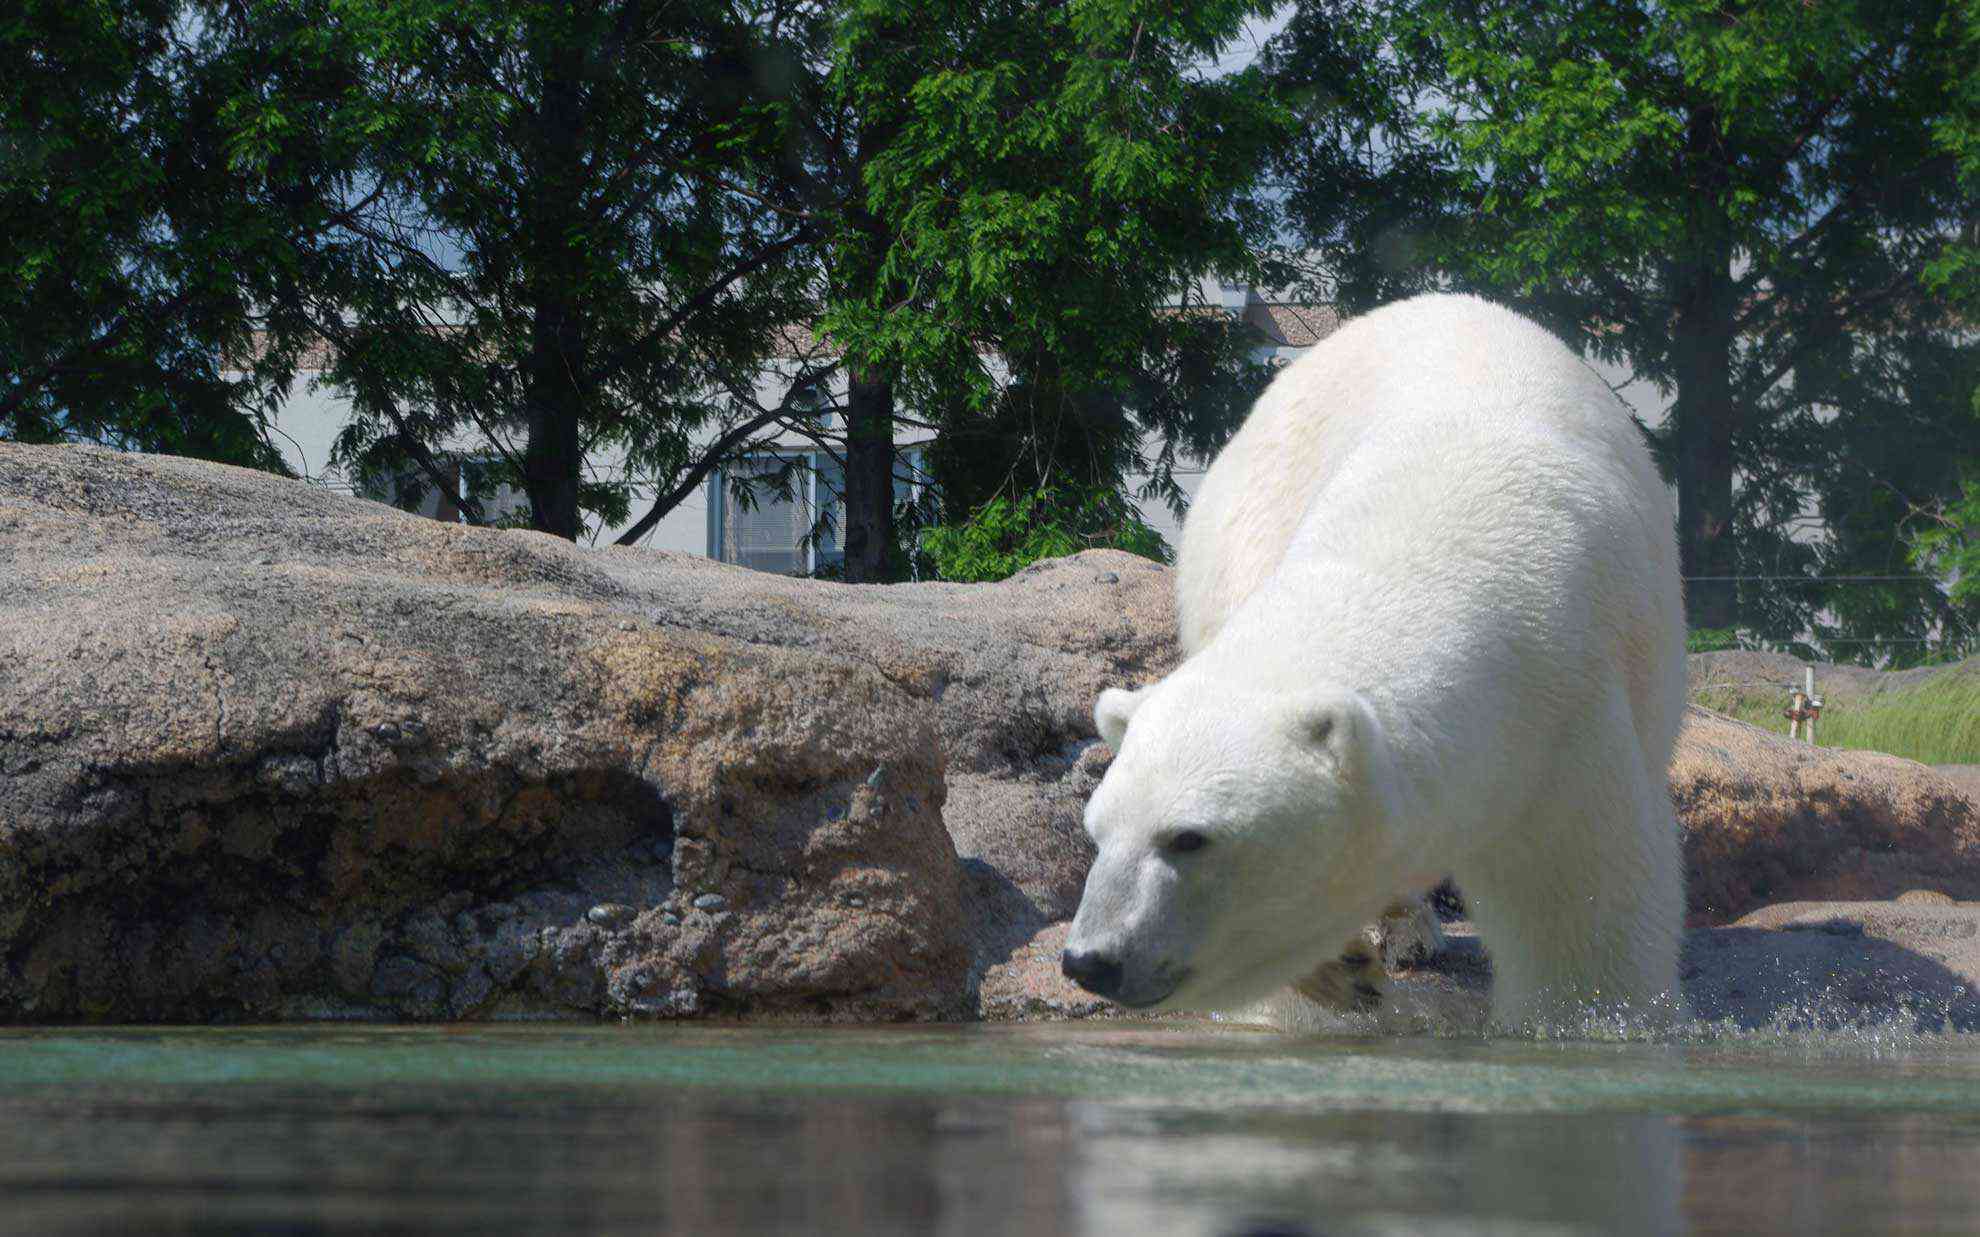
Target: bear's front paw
point(1409, 932)
point(1355, 982)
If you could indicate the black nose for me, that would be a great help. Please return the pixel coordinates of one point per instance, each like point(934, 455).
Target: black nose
point(1096, 973)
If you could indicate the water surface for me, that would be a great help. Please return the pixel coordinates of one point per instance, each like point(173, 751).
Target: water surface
point(1133, 1129)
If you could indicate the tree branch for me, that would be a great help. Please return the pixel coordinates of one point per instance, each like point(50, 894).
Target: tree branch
point(718, 452)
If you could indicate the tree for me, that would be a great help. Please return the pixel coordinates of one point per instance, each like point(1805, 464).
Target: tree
point(1717, 194)
point(564, 232)
point(1947, 537)
point(561, 258)
point(142, 250)
point(1018, 195)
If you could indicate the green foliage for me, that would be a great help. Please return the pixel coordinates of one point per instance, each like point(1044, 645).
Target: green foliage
point(559, 233)
point(142, 255)
point(1945, 535)
point(1937, 722)
point(1738, 203)
point(1040, 183)
point(1002, 537)
point(1949, 545)
point(556, 254)
point(1710, 639)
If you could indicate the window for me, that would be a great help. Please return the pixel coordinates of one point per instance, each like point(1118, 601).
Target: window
point(416, 492)
point(773, 533)
point(801, 535)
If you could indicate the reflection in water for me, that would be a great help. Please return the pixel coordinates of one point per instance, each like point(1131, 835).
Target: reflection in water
point(741, 1150)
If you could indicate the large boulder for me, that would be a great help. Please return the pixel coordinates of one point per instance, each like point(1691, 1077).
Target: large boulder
point(1767, 819)
point(268, 751)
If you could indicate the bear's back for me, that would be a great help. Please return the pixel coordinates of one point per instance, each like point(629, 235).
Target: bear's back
point(1419, 388)
point(1448, 440)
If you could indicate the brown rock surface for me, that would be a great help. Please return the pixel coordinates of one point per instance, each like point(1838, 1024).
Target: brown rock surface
point(266, 751)
point(1840, 963)
point(1966, 777)
point(1794, 966)
point(1766, 819)
point(1838, 685)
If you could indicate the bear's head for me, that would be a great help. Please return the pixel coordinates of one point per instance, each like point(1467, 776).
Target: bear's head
point(1241, 837)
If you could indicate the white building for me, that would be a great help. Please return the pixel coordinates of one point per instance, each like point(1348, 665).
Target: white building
point(774, 534)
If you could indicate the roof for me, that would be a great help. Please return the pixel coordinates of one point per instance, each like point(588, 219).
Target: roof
point(1289, 325)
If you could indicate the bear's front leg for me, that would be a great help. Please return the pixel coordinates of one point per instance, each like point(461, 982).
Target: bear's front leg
point(1586, 922)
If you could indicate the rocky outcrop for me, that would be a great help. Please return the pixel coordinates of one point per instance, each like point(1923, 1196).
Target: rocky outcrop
point(1965, 777)
point(1766, 819)
point(1734, 675)
point(267, 751)
point(271, 752)
point(1909, 964)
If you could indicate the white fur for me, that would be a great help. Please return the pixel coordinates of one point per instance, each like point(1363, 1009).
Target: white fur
point(1430, 602)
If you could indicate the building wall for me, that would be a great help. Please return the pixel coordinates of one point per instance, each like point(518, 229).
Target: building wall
point(309, 420)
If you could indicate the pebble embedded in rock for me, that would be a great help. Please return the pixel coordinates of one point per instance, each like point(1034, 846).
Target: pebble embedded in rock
point(610, 915)
point(854, 900)
point(628, 625)
point(710, 902)
point(874, 778)
point(1107, 577)
point(671, 919)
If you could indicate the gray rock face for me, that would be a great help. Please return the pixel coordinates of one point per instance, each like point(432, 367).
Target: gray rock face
point(266, 751)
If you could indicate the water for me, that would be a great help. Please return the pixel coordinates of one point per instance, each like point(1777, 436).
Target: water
point(1132, 1129)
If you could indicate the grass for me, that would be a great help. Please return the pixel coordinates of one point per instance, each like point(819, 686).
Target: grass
point(1936, 721)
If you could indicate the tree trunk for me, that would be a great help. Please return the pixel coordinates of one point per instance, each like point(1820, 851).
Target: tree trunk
point(1705, 413)
point(553, 456)
point(869, 530)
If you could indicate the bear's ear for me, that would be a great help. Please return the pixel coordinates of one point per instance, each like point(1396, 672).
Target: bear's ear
point(1113, 710)
point(1341, 728)
point(1330, 723)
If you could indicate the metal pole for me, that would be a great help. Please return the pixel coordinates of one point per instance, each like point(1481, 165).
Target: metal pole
point(1811, 702)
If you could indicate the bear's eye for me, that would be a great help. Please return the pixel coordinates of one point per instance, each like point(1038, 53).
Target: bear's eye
point(1184, 842)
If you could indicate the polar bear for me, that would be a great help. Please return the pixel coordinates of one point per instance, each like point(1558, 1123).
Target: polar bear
point(1433, 624)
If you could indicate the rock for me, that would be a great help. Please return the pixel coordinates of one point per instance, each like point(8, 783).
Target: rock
point(1766, 819)
point(1029, 986)
point(611, 915)
point(1966, 777)
point(1790, 967)
point(393, 775)
point(1833, 964)
point(1735, 673)
point(1924, 897)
